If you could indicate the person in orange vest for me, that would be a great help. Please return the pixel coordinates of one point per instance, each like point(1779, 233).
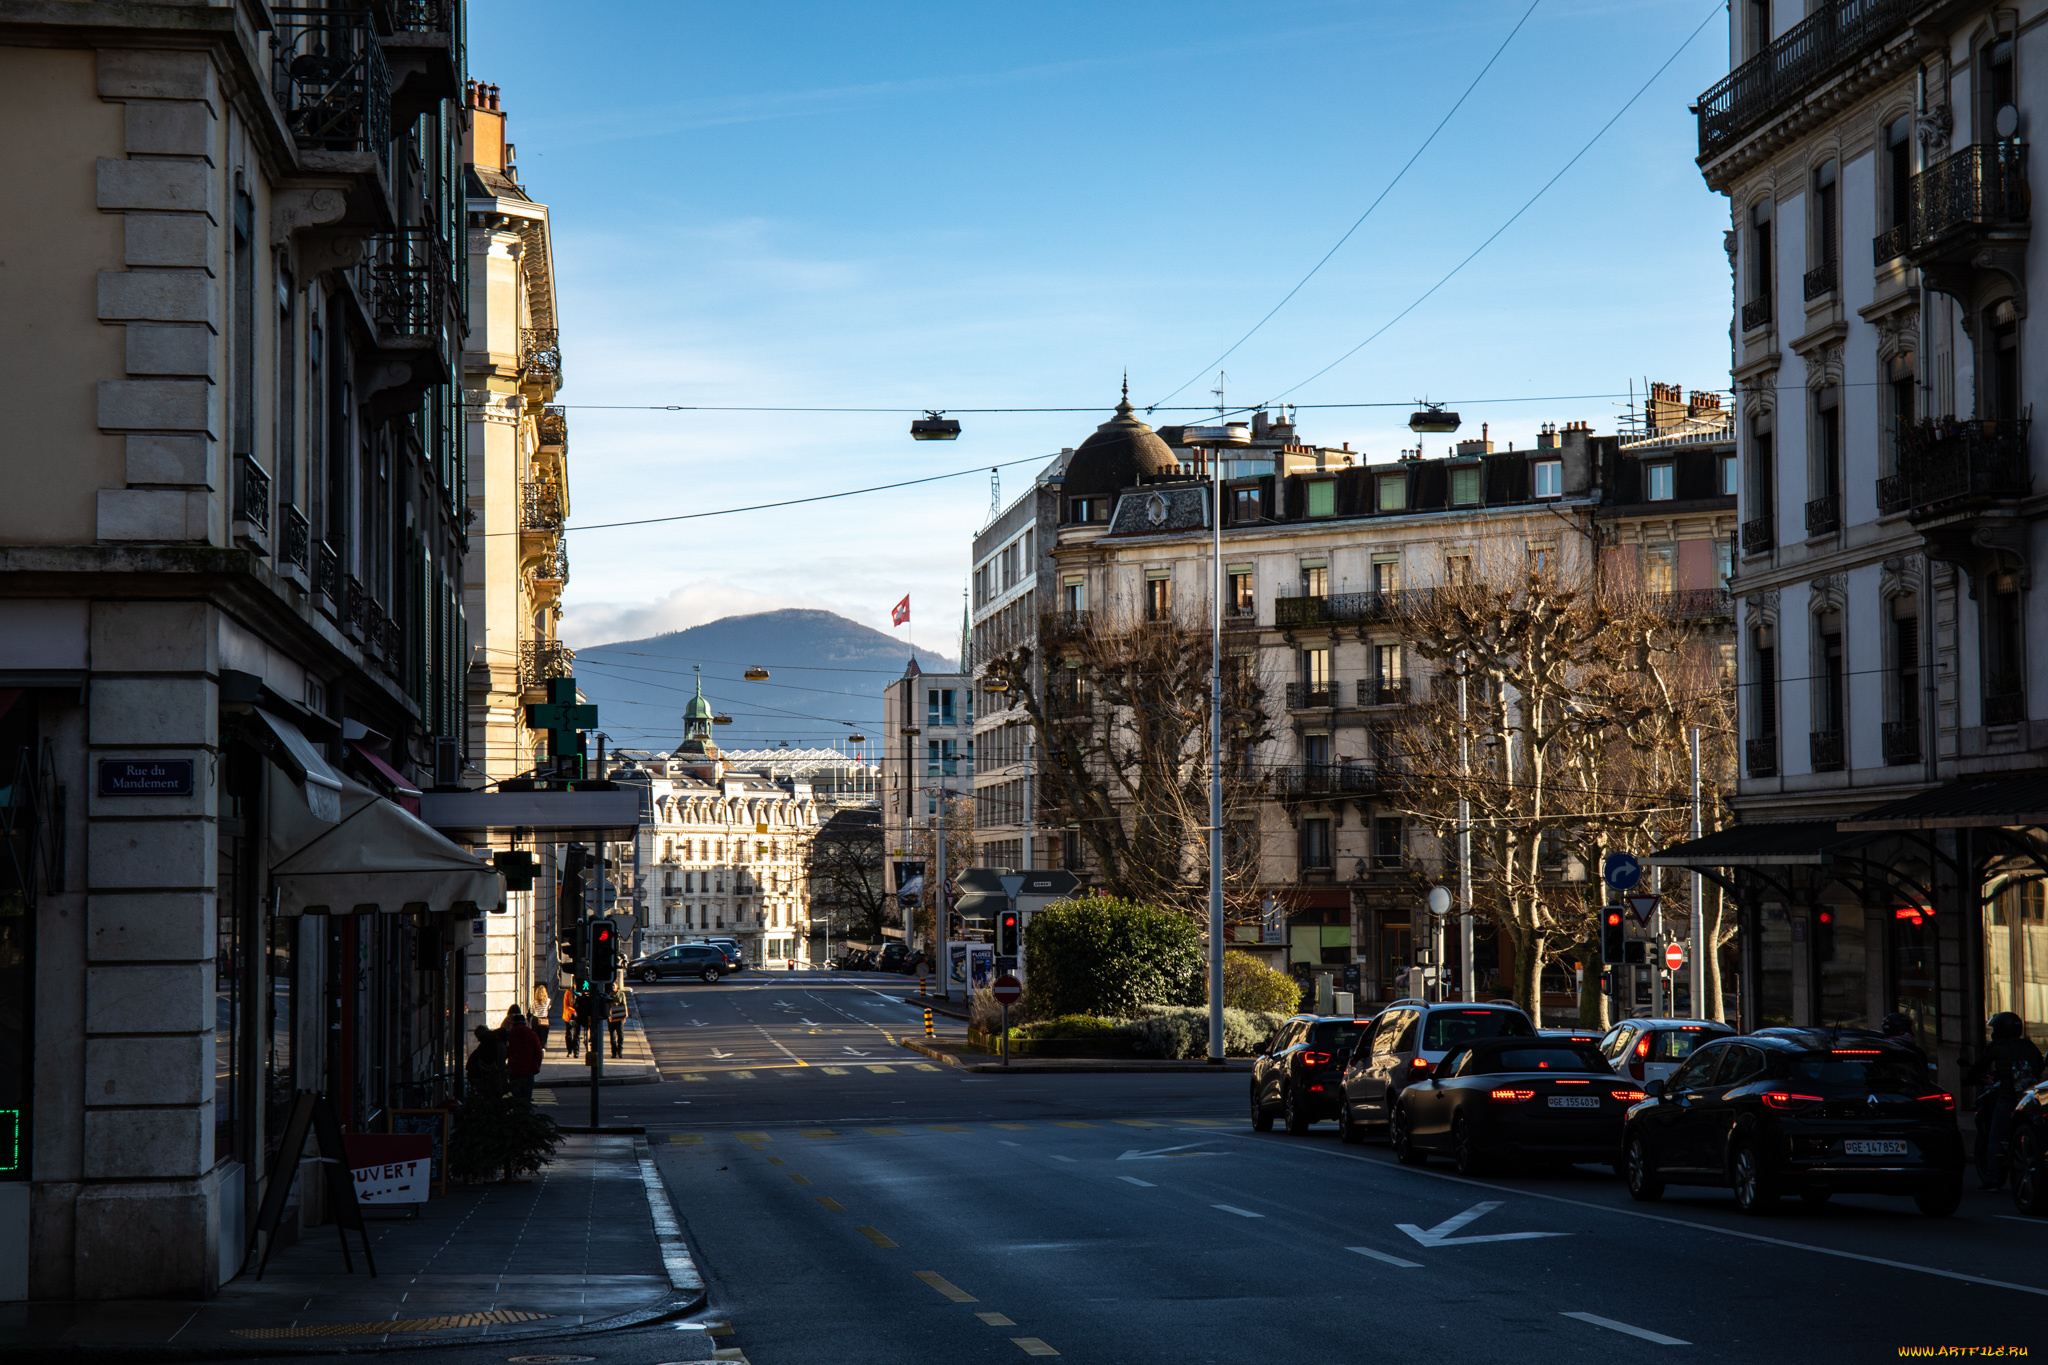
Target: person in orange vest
point(572, 1027)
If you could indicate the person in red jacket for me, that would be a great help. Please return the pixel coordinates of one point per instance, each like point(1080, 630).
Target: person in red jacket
point(522, 1055)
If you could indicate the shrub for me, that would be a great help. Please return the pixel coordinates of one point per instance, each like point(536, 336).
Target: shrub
point(986, 1016)
point(497, 1134)
point(1102, 956)
point(1183, 1030)
point(1249, 984)
point(1075, 1026)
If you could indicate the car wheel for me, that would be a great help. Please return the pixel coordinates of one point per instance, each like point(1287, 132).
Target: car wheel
point(1643, 1184)
point(1405, 1150)
point(1297, 1120)
point(2029, 1189)
point(1940, 1200)
point(709, 976)
point(1465, 1153)
point(1348, 1130)
point(648, 976)
point(1262, 1122)
point(1754, 1191)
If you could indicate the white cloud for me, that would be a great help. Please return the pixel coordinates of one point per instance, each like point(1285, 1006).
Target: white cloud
point(595, 623)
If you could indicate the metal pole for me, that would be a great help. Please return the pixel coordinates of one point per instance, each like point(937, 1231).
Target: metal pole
point(1699, 947)
point(1216, 758)
point(1467, 976)
point(940, 914)
point(1006, 1035)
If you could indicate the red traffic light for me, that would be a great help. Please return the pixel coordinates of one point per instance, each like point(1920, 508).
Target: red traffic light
point(1009, 920)
point(604, 933)
point(1613, 918)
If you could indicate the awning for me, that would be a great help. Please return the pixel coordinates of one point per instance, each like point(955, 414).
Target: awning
point(402, 791)
point(296, 756)
point(557, 817)
point(1782, 843)
point(1995, 801)
point(380, 858)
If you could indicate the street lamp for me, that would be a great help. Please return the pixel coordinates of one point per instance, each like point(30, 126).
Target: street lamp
point(934, 426)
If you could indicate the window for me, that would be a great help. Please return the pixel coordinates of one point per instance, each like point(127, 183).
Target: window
point(1724, 563)
point(1392, 492)
point(1158, 595)
point(1731, 476)
point(1906, 665)
point(1458, 570)
point(286, 416)
point(1758, 36)
point(1073, 595)
point(931, 767)
point(1766, 704)
point(1826, 233)
point(1386, 573)
point(1829, 624)
point(1898, 174)
point(1315, 671)
point(1542, 556)
point(1315, 578)
point(1548, 478)
point(1245, 505)
point(2004, 362)
point(1387, 680)
point(1091, 509)
point(1315, 844)
point(2003, 674)
point(1763, 471)
point(1315, 750)
point(1659, 482)
point(1757, 311)
point(1465, 486)
point(1827, 464)
point(1240, 599)
point(1322, 497)
point(1900, 403)
point(1386, 841)
point(1660, 568)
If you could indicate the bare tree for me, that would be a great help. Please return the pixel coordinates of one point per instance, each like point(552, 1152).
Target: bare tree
point(924, 844)
point(844, 867)
point(1121, 708)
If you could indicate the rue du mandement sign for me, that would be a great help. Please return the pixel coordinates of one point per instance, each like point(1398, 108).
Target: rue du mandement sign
point(145, 777)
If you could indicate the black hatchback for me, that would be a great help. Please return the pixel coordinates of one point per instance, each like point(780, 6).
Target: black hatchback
point(705, 961)
point(1299, 1071)
point(1808, 1112)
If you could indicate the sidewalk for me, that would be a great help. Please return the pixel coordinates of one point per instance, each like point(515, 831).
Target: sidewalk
point(589, 1243)
point(956, 1052)
point(637, 1067)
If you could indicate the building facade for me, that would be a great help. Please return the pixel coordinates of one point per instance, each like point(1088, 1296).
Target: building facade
point(231, 614)
point(927, 749)
point(1890, 514)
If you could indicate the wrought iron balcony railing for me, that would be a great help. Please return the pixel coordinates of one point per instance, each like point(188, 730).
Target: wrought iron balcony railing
point(1824, 750)
point(540, 355)
point(407, 277)
point(252, 492)
point(327, 573)
point(1072, 621)
point(542, 508)
point(1298, 612)
point(1382, 691)
point(331, 81)
point(1756, 313)
point(354, 601)
point(553, 566)
point(542, 660)
point(1901, 741)
point(1762, 755)
point(1694, 603)
point(1813, 50)
point(1329, 779)
point(423, 16)
point(553, 427)
point(1824, 515)
point(1311, 696)
point(1890, 244)
point(1821, 280)
point(1948, 465)
point(390, 644)
point(2005, 707)
point(1757, 535)
point(294, 537)
point(1983, 185)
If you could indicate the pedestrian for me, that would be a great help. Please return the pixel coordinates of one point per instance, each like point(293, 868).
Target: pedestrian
point(485, 1069)
point(541, 1005)
point(572, 1025)
point(617, 1019)
point(2006, 1067)
point(522, 1057)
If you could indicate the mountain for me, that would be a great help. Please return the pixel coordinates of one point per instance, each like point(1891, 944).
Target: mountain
point(823, 670)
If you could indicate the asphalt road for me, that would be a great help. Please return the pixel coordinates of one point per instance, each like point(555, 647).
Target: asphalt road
point(850, 1202)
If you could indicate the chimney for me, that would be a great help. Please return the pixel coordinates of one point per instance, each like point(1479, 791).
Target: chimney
point(1546, 439)
point(483, 141)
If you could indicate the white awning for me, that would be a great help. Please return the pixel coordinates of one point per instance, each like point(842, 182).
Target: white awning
point(551, 816)
point(379, 857)
point(306, 767)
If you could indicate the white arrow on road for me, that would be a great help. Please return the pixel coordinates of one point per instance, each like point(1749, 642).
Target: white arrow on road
point(1440, 1235)
point(1161, 1153)
point(716, 1053)
point(695, 1023)
point(810, 1023)
point(853, 1051)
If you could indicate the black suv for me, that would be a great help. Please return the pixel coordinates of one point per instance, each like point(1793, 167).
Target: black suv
point(1298, 1072)
point(1809, 1112)
point(705, 961)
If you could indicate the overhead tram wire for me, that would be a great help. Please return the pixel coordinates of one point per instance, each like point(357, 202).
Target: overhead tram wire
point(1719, 7)
point(1398, 175)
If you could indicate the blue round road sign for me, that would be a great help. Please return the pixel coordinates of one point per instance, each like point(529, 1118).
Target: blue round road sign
point(1622, 871)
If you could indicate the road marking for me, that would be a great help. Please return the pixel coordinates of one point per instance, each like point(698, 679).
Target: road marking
point(835, 1071)
point(1012, 1127)
point(1133, 1180)
point(1069, 1160)
point(1440, 1235)
point(1070, 1123)
point(831, 1204)
point(922, 1066)
point(1138, 1123)
point(780, 1048)
point(945, 1286)
point(1032, 1346)
point(873, 1236)
point(694, 1076)
point(1161, 1153)
point(798, 1179)
point(776, 1161)
point(881, 1070)
point(1232, 1208)
point(687, 1139)
point(741, 1075)
point(1382, 1256)
point(819, 1133)
point(995, 1319)
point(946, 1128)
point(788, 1073)
point(1643, 1332)
point(542, 1096)
point(1007, 1143)
point(884, 1132)
point(752, 1137)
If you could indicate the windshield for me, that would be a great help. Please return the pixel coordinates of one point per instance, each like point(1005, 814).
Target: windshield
point(1491, 1062)
point(1453, 1027)
point(1329, 1036)
point(1888, 1074)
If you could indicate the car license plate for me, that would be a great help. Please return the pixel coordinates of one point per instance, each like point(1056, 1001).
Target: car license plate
point(1871, 1147)
point(1574, 1101)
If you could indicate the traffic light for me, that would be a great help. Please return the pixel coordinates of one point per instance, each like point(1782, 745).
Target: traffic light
point(1007, 935)
point(603, 958)
point(1613, 935)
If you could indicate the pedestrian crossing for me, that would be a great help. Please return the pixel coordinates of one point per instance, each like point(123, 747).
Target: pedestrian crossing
point(759, 1140)
point(790, 1071)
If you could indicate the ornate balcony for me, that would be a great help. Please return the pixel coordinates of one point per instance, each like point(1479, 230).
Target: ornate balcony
point(1824, 750)
point(1382, 691)
point(1901, 742)
point(1975, 193)
point(1814, 50)
point(1951, 466)
point(1757, 536)
point(2007, 706)
point(1694, 603)
point(1318, 780)
point(1294, 613)
point(332, 82)
point(354, 602)
point(553, 566)
point(1890, 244)
point(540, 355)
point(1824, 515)
point(1762, 755)
point(327, 574)
point(541, 507)
point(553, 427)
point(1756, 313)
point(1054, 625)
point(1311, 696)
point(1820, 281)
point(294, 538)
point(252, 493)
point(540, 661)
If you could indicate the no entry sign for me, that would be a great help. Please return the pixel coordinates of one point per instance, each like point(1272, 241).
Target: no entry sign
point(1674, 955)
point(1008, 990)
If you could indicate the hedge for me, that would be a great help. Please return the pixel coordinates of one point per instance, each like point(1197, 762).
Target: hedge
point(1103, 956)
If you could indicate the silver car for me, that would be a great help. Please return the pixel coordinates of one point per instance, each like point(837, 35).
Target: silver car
point(1408, 1038)
point(1651, 1049)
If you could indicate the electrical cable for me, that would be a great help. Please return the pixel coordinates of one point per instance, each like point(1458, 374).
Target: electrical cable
point(1405, 167)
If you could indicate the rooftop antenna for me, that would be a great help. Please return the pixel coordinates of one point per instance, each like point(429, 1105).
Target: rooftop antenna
point(995, 492)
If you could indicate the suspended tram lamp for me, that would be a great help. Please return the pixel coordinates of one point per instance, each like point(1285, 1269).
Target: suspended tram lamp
point(934, 426)
point(756, 674)
point(995, 682)
point(1432, 418)
point(721, 720)
point(856, 739)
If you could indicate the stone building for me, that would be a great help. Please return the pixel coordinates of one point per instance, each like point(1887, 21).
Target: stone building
point(1891, 839)
point(231, 616)
point(927, 749)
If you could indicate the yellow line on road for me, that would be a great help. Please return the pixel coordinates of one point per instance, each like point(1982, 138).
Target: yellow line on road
point(687, 1139)
point(694, 1076)
point(1032, 1346)
point(884, 1070)
point(752, 1137)
point(945, 1286)
point(819, 1133)
point(1207, 1123)
point(922, 1066)
point(874, 1236)
point(884, 1132)
point(741, 1075)
point(798, 1179)
point(776, 1161)
point(831, 1204)
point(835, 1070)
point(995, 1319)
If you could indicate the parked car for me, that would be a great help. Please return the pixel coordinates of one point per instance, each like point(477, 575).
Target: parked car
point(1651, 1049)
point(1408, 1038)
point(705, 961)
point(2026, 1153)
point(1798, 1111)
point(1546, 1098)
point(1297, 1073)
point(734, 953)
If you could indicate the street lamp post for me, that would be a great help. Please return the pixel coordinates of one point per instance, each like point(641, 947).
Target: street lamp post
point(1467, 977)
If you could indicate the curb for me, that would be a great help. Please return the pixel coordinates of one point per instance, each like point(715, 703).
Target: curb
point(936, 1005)
point(1055, 1068)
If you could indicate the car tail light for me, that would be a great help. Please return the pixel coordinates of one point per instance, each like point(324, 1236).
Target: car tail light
point(1627, 1096)
point(1316, 1058)
point(1788, 1102)
point(1643, 1046)
point(1510, 1095)
point(1858, 1052)
point(1946, 1100)
point(1315, 1087)
point(1420, 1061)
point(1565, 1082)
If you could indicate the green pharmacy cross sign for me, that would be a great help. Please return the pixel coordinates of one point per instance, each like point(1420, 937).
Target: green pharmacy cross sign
point(10, 1140)
point(565, 722)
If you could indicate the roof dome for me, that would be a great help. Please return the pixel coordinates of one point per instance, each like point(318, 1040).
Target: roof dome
point(1122, 449)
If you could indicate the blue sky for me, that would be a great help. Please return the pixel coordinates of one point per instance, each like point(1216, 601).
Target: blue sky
point(959, 206)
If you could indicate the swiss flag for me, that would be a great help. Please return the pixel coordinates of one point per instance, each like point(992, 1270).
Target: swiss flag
point(900, 613)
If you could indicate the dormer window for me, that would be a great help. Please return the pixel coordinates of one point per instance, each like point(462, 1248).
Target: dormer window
point(1091, 509)
point(1547, 478)
point(1659, 482)
point(1322, 497)
point(1392, 492)
point(1465, 486)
